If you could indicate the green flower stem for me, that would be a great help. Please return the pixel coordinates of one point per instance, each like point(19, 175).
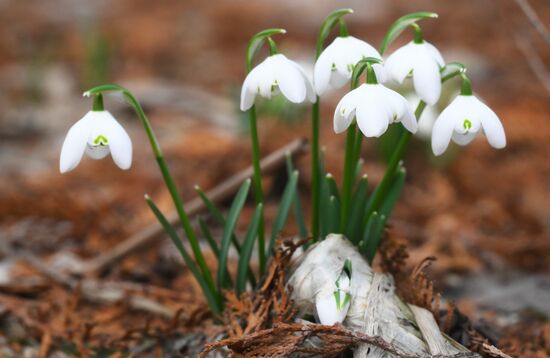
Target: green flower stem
point(396, 157)
point(253, 46)
point(168, 180)
point(257, 179)
point(97, 105)
point(333, 19)
point(315, 171)
point(466, 87)
point(418, 37)
point(349, 168)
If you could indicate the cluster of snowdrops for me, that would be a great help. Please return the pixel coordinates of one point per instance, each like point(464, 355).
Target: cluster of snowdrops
point(366, 110)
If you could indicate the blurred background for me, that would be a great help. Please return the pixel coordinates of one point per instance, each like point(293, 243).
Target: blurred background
point(484, 214)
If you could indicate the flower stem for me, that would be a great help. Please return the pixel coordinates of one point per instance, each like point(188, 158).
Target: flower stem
point(418, 37)
point(97, 105)
point(169, 181)
point(315, 172)
point(257, 179)
point(396, 157)
point(349, 168)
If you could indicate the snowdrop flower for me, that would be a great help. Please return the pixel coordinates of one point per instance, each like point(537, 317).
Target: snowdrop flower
point(332, 305)
point(375, 107)
point(462, 120)
point(424, 61)
point(276, 74)
point(334, 66)
point(97, 134)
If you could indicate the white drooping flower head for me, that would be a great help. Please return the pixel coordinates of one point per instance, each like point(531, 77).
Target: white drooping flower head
point(276, 74)
point(374, 106)
point(97, 134)
point(462, 120)
point(334, 66)
point(424, 61)
point(332, 305)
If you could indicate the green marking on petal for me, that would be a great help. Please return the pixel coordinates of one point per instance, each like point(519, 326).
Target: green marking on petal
point(333, 67)
point(101, 140)
point(467, 124)
point(337, 299)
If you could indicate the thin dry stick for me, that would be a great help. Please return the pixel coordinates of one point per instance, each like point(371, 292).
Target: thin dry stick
point(534, 60)
point(534, 19)
point(147, 235)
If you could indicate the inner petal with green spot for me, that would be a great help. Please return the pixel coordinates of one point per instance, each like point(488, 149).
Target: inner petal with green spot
point(467, 125)
point(101, 140)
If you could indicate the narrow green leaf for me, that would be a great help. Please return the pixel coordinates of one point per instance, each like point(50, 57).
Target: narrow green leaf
point(372, 235)
point(216, 214)
point(298, 211)
point(289, 195)
point(333, 215)
point(209, 238)
point(393, 193)
point(327, 25)
point(401, 24)
point(358, 205)
point(246, 252)
point(212, 296)
point(224, 281)
point(333, 188)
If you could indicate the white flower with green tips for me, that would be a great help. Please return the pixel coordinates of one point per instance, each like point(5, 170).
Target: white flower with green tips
point(462, 120)
point(276, 74)
point(332, 306)
point(424, 62)
point(334, 67)
point(97, 134)
point(374, 106)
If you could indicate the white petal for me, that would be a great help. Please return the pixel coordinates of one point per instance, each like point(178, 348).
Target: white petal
point(427, 80)
point(74, 144)
point(327, 310)
point(363, 47)
point(310, 92)
point(400, 63)
point(373, 117)
point(345, 110)
point(400, 108)
point(97, 152)
point(434, 52)
point(380, 72)
point(464, 139)
point(322, 71)
point(492, 127)
point(289, 79)
point(120, 143)
point(249, 90)
point(444, 125)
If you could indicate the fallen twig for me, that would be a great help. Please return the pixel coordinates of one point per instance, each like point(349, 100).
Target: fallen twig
point(221, 192)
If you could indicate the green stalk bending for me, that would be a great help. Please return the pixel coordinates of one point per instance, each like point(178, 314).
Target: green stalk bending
point(168, 180)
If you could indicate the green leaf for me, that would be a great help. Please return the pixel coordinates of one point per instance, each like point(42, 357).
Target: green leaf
point(372, 235)
point(401, 24)
point(234, 212)
point(298, 211)
point(216, 214)
point(333, 217)
point(358, 205)
point(332, 19)
point(209, 238)
point(289, 195)
point(212, 296)
point(393, 193)
point(246, 252)
point(256, 42)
